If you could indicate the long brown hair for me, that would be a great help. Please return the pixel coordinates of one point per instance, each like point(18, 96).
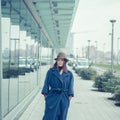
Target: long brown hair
point(64, 67)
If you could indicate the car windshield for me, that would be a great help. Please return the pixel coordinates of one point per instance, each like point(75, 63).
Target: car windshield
point(22, 62)
point(83, 63)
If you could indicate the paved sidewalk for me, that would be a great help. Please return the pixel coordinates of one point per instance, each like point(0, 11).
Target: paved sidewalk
point(88, 104)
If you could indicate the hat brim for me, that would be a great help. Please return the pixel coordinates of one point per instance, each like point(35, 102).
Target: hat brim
point(64, 58)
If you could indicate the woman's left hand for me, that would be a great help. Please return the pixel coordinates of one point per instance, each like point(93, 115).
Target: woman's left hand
point(70, 97)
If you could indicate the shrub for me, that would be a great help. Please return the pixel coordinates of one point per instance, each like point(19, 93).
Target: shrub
point(70, 63)
point(77, 71)
point(117, 94)
point(101, 80)
point(110, 85)
point(87, 73)
point(7, 72)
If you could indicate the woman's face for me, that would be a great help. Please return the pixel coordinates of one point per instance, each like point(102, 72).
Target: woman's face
point(60, 62)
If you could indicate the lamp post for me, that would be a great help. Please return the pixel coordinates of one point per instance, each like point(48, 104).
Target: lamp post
point(77, 54)
point(88, 50)
point(118, 50)
point(112, 38)
point(104, 53)
point(96, 52)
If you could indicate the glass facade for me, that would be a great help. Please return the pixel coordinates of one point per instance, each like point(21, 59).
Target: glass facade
point(25, 54)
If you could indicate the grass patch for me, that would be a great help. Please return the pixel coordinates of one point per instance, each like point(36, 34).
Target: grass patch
point(115, 67)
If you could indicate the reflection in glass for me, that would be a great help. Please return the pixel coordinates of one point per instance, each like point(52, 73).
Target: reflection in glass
point(24, 57)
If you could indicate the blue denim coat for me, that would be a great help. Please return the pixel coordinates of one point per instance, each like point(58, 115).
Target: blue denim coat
point(58, 88)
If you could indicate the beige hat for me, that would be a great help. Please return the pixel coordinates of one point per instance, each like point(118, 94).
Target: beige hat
point(62, 55)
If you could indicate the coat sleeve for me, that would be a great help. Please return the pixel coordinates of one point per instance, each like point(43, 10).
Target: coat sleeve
point(45, 88)
point(71, 85)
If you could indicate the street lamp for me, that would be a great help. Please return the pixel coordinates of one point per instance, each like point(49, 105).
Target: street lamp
point(96, 52)
point(88, 50)
point(118, 50)
point(103, 52)
point(77, 54)
point(112, 38)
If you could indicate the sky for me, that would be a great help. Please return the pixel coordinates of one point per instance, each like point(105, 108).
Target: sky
point(92, 22)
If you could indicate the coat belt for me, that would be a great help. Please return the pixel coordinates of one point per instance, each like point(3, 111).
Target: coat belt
point(59, 90)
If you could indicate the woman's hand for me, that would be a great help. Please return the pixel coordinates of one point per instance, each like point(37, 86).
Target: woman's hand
point(70, 97)
point(45, 95)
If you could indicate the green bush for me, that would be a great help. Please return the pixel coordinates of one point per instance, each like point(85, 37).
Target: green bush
point(10, 72)
point(117, 94)
point(21, 71)
point(70, 63)
point(101, 80)
point(87, 73)
point(43, 63)
point(110, 85)
point(77, 71)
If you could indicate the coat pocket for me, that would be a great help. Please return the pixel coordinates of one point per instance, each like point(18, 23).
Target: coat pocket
point(52, 101)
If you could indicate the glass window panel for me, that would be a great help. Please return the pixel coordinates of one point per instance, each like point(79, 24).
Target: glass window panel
point(14, 53)
point(5, 60)
point(13, 92)
point(21, 55)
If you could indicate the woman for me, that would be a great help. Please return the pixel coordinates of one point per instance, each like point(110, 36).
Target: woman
point(58, 89)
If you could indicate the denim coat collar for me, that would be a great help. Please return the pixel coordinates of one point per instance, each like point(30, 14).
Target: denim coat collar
point(57, 74)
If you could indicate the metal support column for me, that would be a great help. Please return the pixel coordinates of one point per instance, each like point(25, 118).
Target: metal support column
point(112, 39)
point(0, 66)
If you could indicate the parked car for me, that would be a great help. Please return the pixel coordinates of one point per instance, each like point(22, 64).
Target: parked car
point(81, 63)
point(25, 66)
